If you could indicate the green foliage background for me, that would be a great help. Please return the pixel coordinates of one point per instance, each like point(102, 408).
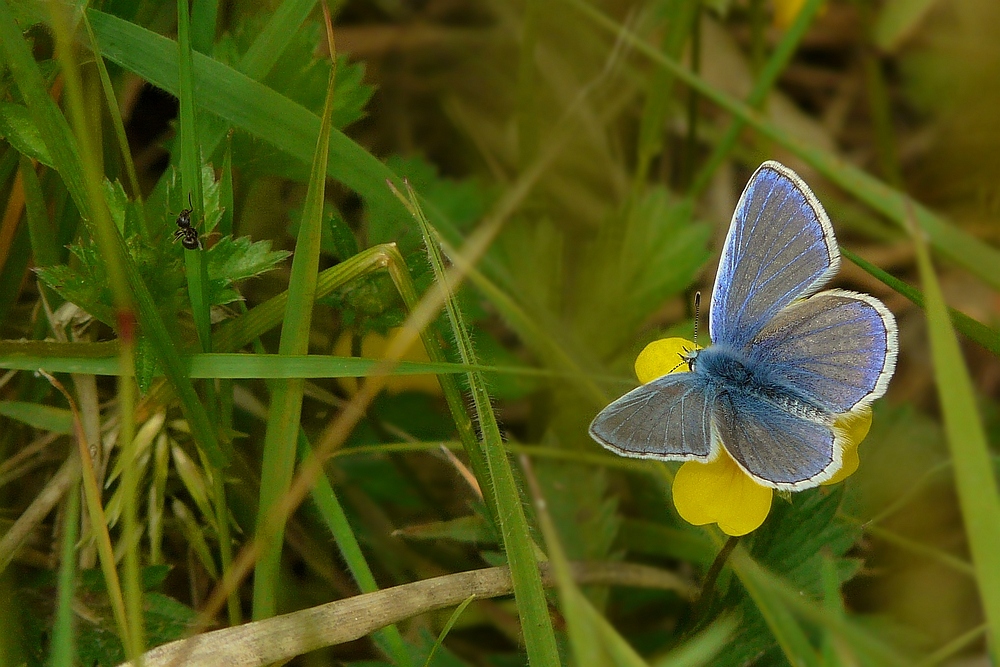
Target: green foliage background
point(574, 166)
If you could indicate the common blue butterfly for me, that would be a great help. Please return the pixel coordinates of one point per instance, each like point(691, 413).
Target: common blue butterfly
point(786, 360)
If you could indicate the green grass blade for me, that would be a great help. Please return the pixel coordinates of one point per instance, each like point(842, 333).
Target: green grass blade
point(73, 358)
point(703, 647)
point(63, 636)
point(539, 638)
point(286, 399)
point(455, 615)
point(789, 599)
point(272, 40)
point(194, 261)
point(965, 325)
point(244, 103)
point(660, 90)
point(791, 637)
point(204, 15)
point(325, 498)
point(119, 126)
point(975, 481)
point(783, 52)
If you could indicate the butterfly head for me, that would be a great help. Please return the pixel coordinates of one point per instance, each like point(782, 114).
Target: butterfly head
point(688, 357)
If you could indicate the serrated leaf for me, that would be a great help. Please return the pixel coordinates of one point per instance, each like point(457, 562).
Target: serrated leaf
point(85, 286)
point(643, 255)
point(117, 200)
point(338, 239)
point(231, 260)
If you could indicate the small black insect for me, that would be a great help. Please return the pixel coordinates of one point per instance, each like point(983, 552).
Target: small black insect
point(186, 231)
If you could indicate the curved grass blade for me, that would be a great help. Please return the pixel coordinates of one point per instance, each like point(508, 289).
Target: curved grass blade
point(539, 638)
point(967, 326)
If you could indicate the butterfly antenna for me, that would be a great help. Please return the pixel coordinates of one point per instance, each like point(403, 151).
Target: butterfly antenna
point(697, 315)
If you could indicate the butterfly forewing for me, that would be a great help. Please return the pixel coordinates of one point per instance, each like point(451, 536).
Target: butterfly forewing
point(780, 247)
point(668, 418)
point(836, 347)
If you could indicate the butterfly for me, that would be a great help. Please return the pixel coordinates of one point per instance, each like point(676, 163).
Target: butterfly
point(786, 361)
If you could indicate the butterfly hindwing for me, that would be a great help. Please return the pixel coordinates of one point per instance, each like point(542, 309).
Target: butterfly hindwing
point(668, 418)
point(774, 446)
point(780, 248)
point(836, 347)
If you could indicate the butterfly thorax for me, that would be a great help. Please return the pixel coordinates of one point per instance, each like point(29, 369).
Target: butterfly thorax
point(730, 371)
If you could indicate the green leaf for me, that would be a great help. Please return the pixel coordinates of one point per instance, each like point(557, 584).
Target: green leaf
point(18, 129)
point(300, 76)
point(975, 480)
point(45, 417)
point(232, 260)
point(471, 529)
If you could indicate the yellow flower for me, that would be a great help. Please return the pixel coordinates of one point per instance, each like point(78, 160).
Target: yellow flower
point(718, 491)
point(373, 346)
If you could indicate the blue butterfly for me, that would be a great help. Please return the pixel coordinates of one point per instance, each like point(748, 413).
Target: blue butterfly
point(786, 360)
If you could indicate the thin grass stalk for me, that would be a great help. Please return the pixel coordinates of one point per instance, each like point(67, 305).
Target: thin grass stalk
point(527, 115)
point(449, 624)
point(660, 91)
point(388, 639)
point(870, 649)
point(584, 639)
point(972, 329)
point(191, 184)
point(286, 402)
point(99, 525)
point(108, 239)
point(787, 632)
point(119, 126)
point(878, 102)
point(539, 637)
point(63, 633)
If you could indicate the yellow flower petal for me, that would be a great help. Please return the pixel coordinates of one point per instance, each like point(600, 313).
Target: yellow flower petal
point(854, 426)
point(719, 492)
point(373, 346)
point(662, 357)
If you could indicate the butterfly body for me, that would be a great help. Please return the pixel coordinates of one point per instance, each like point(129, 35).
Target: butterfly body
point(730, 372)
point(787, 361)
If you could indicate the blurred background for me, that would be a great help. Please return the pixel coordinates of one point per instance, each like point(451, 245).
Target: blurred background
point(613, 180)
